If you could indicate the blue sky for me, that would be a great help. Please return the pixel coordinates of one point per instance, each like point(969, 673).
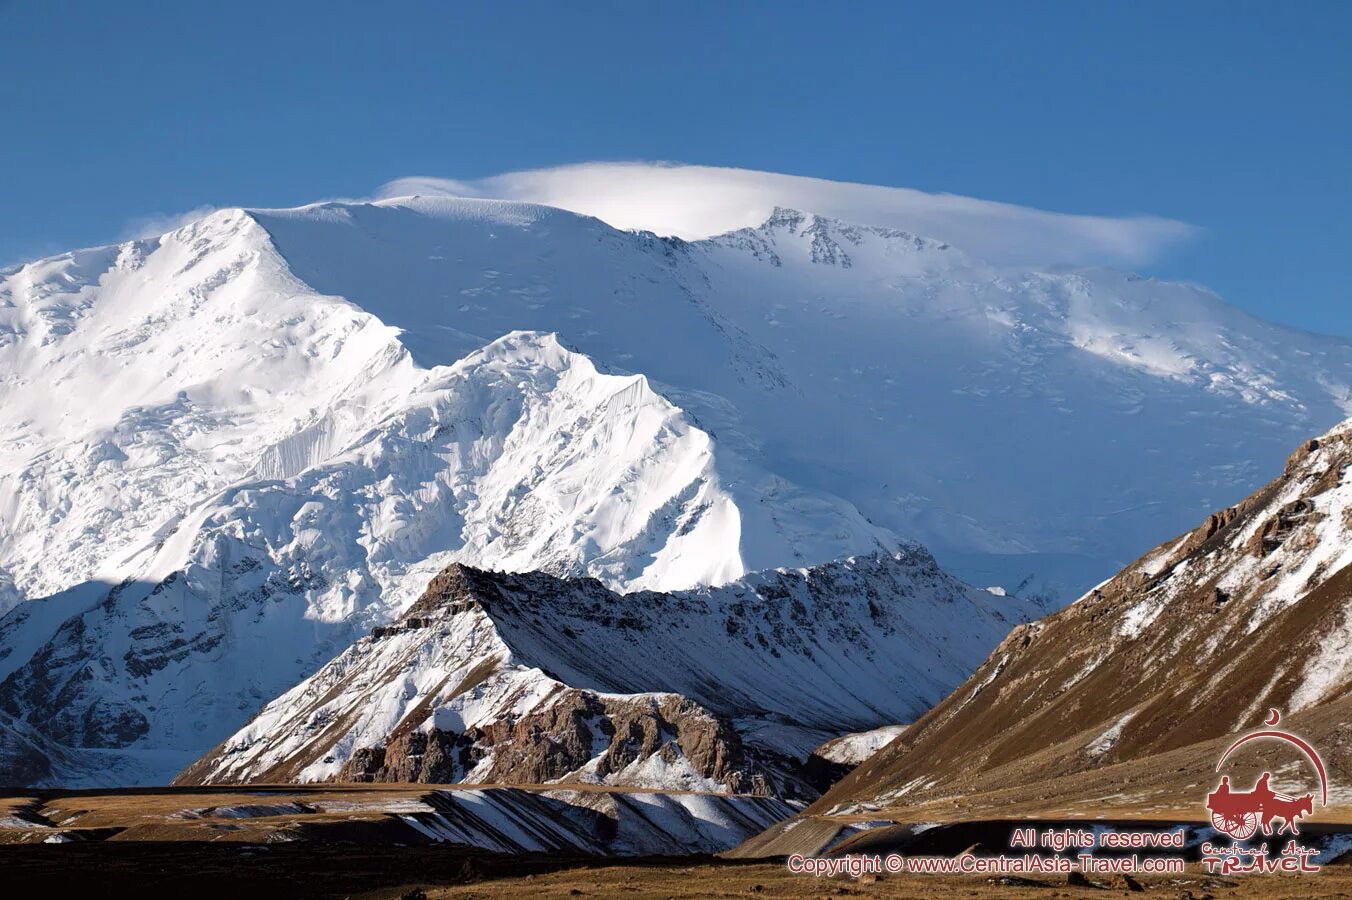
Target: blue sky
point(1232, 116)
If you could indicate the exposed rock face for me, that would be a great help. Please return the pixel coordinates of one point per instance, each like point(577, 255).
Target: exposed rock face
point(1192, 643)
point(561, 740)
point(23, 759)
point(529, 679)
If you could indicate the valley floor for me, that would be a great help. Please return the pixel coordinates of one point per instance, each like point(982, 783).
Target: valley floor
point(351, 841)
point(430, 873)
point(716, 880)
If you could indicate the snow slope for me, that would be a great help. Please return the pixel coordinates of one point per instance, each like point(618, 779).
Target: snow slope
point(498, 678)
point(852, 749)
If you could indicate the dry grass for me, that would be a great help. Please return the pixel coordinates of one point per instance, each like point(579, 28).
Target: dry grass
point(170, 843)
point(771, 880)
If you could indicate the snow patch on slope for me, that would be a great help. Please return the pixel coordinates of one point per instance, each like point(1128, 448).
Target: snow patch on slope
point(641, 823)
point(852, 749)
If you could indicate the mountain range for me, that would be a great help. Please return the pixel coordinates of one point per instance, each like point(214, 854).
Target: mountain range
point(494, 678)
point(231, 451)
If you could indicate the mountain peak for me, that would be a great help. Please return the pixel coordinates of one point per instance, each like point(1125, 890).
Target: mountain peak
point(828, 241)
point(784, 217)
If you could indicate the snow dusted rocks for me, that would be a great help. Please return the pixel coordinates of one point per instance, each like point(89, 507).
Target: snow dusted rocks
point(498, 678)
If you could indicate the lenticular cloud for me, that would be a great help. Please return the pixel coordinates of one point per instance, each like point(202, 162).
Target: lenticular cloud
point(694, 202)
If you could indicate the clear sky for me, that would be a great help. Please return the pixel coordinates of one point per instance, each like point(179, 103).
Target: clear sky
point(1233, 116)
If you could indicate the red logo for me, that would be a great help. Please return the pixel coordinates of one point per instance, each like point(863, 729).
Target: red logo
point(1240, 814)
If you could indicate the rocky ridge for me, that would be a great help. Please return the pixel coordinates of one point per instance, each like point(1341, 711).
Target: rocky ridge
point(529, 679)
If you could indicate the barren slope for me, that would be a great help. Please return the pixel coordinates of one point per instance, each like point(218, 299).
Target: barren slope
point(1158, 666)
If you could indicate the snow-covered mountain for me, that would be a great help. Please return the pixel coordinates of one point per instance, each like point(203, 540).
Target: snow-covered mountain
point(529, 679)
point(521, 456)
point(142, 381)
point(949, 400)
point(229, 451)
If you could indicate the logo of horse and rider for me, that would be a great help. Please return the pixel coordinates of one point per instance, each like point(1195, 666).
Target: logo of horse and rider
point(1242, 813)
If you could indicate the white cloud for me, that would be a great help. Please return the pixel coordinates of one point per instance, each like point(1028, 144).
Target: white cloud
point(693, 202)
point(156, 224)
